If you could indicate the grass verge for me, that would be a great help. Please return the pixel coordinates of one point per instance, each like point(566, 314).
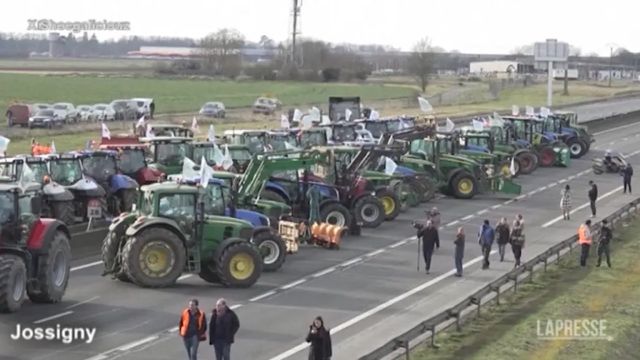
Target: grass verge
point(566, 291)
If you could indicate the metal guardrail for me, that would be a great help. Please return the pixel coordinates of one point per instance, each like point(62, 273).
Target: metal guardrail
point(456, 312)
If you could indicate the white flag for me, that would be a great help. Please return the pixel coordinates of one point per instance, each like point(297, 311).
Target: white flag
point(149, 132)
point(297, 115)
point(4, 144)
point(206, 173)
point(306, 122)
point(27, 175)
point(218, 156)
point(389, 166)
point(515, 110)
point(424, 105)
point(53, 147)
point(450, 125)
point(315, 114)
point(347, 115)
point(529, 111)
point(288, 146)
point(374, 115)
point(545, 112)
point(211, 134)
point(194, 125)
point(284, 122)
point(189, 169)
point(512, 168)
point(477, 125)
point(105, 131)
point(140, 122)
point(227, 163)
point(325, 120)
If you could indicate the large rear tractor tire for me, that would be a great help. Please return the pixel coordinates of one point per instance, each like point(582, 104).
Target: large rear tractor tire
point(272, 249)
point(239, 265)
point(13, 283)
point(463, 186)
point(577, 148)
point(336, 214)
point(127, 199)
point(391, 204)
point(154, 258)
point(209, 273)
point(64, 211)
point(528, 162)
point(369, 211)
point(111, 247)
point(54, 267)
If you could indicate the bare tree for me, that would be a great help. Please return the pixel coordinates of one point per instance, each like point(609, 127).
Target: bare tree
point(420, 63)
point(220, 51)
point(523, 50)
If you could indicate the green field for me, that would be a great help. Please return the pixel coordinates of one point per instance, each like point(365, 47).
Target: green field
point(175, 96)
point(509, 331)
point(77, 64)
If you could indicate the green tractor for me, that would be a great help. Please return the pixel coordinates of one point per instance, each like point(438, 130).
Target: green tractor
point(307, 138)
point(168, 153)
point(254, 140)
point(240, 155)
point(530, 131)
point(169, 235)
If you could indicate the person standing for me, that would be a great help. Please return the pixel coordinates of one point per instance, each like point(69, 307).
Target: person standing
point(222, 329)
point(584, 239)
point(485, 239)
point(593, 197)
point(603, 243)
point(502, 229)
point(459, 251)
point(192, 328)
point(627, 173)
point(430, 238)
point(434, 217)
point(320, 340)
point(517, 239)
point(565, 202)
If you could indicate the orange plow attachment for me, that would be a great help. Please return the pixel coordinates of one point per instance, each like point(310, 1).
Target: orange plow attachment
point(321, 234)
point(327, 235)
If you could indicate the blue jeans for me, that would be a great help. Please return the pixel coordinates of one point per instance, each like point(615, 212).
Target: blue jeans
point(191, 344)
point(222, 349)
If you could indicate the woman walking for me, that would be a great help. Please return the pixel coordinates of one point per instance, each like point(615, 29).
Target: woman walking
point(320, 340)
point(459, 251)
point(565, 202)
point(517, 239)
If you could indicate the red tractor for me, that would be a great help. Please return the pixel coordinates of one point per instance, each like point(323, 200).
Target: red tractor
point(35, 254)
point(132, 158)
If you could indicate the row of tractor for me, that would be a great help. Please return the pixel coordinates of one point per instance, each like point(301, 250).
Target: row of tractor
point(230, 207)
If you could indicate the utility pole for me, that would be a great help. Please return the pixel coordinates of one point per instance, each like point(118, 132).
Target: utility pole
point(294, 32)
point(610, 64)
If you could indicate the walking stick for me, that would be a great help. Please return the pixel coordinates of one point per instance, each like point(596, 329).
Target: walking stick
point(418, 263)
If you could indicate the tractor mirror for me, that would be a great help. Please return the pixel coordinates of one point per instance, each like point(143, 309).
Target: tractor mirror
point(36, 205)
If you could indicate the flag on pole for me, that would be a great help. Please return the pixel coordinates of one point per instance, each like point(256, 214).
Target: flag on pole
point(189, 169)
point(218, 156)
point(424, 105)
point(544, 112)
point(105, 131)
point(140, 122)
point(515, 110)
point(297, 115)
point(211, 134)
point(374, 115)
point(512, 167)
point(206, 173)
point(389, 166)
point(194, 125)
point(284, 121)
point(4, 144)
point(477, 125)
point(227, 163)
point(53, 147)
point(288, 146)
point(27, 175)
point(529, 111)
point(347, 114)
point(148, 132)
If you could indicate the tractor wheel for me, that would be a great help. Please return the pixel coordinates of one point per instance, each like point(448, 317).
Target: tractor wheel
point(239, 265)
point(13, 283)
point(547, 157)
point(463, 186)
point(504, 168)
point(527, 161)
point(272, 249)
point(110, 247)
point(64, 211)
point(369, 211)
point(273, 196)
point(154, 258)
point(336, 214)
point(127, 199)
point(577, 148)
point(53, 272)
point(391, 204)
point(430, 188)
point(209, 273)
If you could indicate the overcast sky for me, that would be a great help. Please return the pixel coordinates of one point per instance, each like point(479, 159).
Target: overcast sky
point(471, 26)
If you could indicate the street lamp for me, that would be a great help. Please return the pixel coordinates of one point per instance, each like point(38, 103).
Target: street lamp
point(611, 46)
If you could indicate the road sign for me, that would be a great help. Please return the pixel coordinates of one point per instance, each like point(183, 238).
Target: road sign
point(551, 50)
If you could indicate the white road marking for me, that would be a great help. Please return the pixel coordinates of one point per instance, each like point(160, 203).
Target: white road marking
point(614, 129)
point(379, 308)
point(185, 276)
point(138, 343)
point(374, 253)
point(531, 193)
point(453, 223)
point(509, 202)
point(562, 181)
point(625, 139)
point(324, 272)
point(80, 267)
point(53, 317)
point(295, 283)
point(543, 188)
point(468, 217)
point(236, 306)
point(260, 297)
point(399, 243)
point(351, 262)
point(82, 302)
point(496, 206)
point(99, 357)
point(549, 223)
point(173, 329)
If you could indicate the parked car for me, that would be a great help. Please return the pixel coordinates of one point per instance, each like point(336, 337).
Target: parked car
point(66, 111)
point(18, 114)
point(102, 112)
point(125, 109)
point(45, 119)
point(214, 109)
point(41, 106)
point(145, 107)
point(265, 105)
point(84, 112)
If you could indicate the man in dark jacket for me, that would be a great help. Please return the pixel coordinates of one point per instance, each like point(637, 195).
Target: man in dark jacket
point(485, 239)
point(503, 236)
point(430, 238)
point(222, 329)
point(627, 173)
point(593, 197)
point(603, 244)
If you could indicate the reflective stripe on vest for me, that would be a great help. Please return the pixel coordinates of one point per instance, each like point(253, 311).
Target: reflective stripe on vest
point(582, 235)
point(185, 322)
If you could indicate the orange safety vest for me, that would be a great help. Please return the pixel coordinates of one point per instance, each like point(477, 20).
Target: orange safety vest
point(184, 323)
point(582, 235)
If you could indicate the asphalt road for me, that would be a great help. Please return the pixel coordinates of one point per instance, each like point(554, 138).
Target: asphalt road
point(606, 109)
point(352, 288)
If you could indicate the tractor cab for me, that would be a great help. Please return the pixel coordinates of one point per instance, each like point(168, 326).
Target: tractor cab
point(132, 158)
point(254, 140)
point(316, 136)
point(387, 126)
point(167, 153)
point(281, 140)
point(576, 137)
point(169, 130)
point(342, 132)
point(530, 130)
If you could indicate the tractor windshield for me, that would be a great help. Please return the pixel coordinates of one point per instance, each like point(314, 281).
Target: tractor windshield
point(396, 125)
point(313, 138)
point(344, 133)
point(214, 200)
point(171, 153)
point(241, 154)
point(7, 213)
point(99, 167)
point(206, 152)
point(376, 128)
point(39, 169)
point(478, 141)
point(277, 142)
point(179, 207)
point(132, 160)
point(255, 143)
point(66, 172)
point(423, 147)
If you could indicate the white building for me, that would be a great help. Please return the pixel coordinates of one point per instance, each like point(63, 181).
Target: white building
point(498, 68)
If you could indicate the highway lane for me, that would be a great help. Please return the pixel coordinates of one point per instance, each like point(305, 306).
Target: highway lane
point(603, 109)
point(124, 313)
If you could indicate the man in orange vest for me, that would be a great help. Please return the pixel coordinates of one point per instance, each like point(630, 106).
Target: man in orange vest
point(192, 328)
point(584, 239)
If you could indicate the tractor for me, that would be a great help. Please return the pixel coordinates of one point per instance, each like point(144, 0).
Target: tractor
point(132, 158)
point(35, 255)
point(168, 153)
point(386, 126)
point(168, 130)
point(530, 131)
point(57, 202)
point(254, 140)
point(307, 138)
point(102, 167)
point(576, 137)
point(281, 140)
point(240, 155)
point(170, 234)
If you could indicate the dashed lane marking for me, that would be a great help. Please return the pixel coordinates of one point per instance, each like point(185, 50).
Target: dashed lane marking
point(82, 302)
point(53, 317)
point(80, 267)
